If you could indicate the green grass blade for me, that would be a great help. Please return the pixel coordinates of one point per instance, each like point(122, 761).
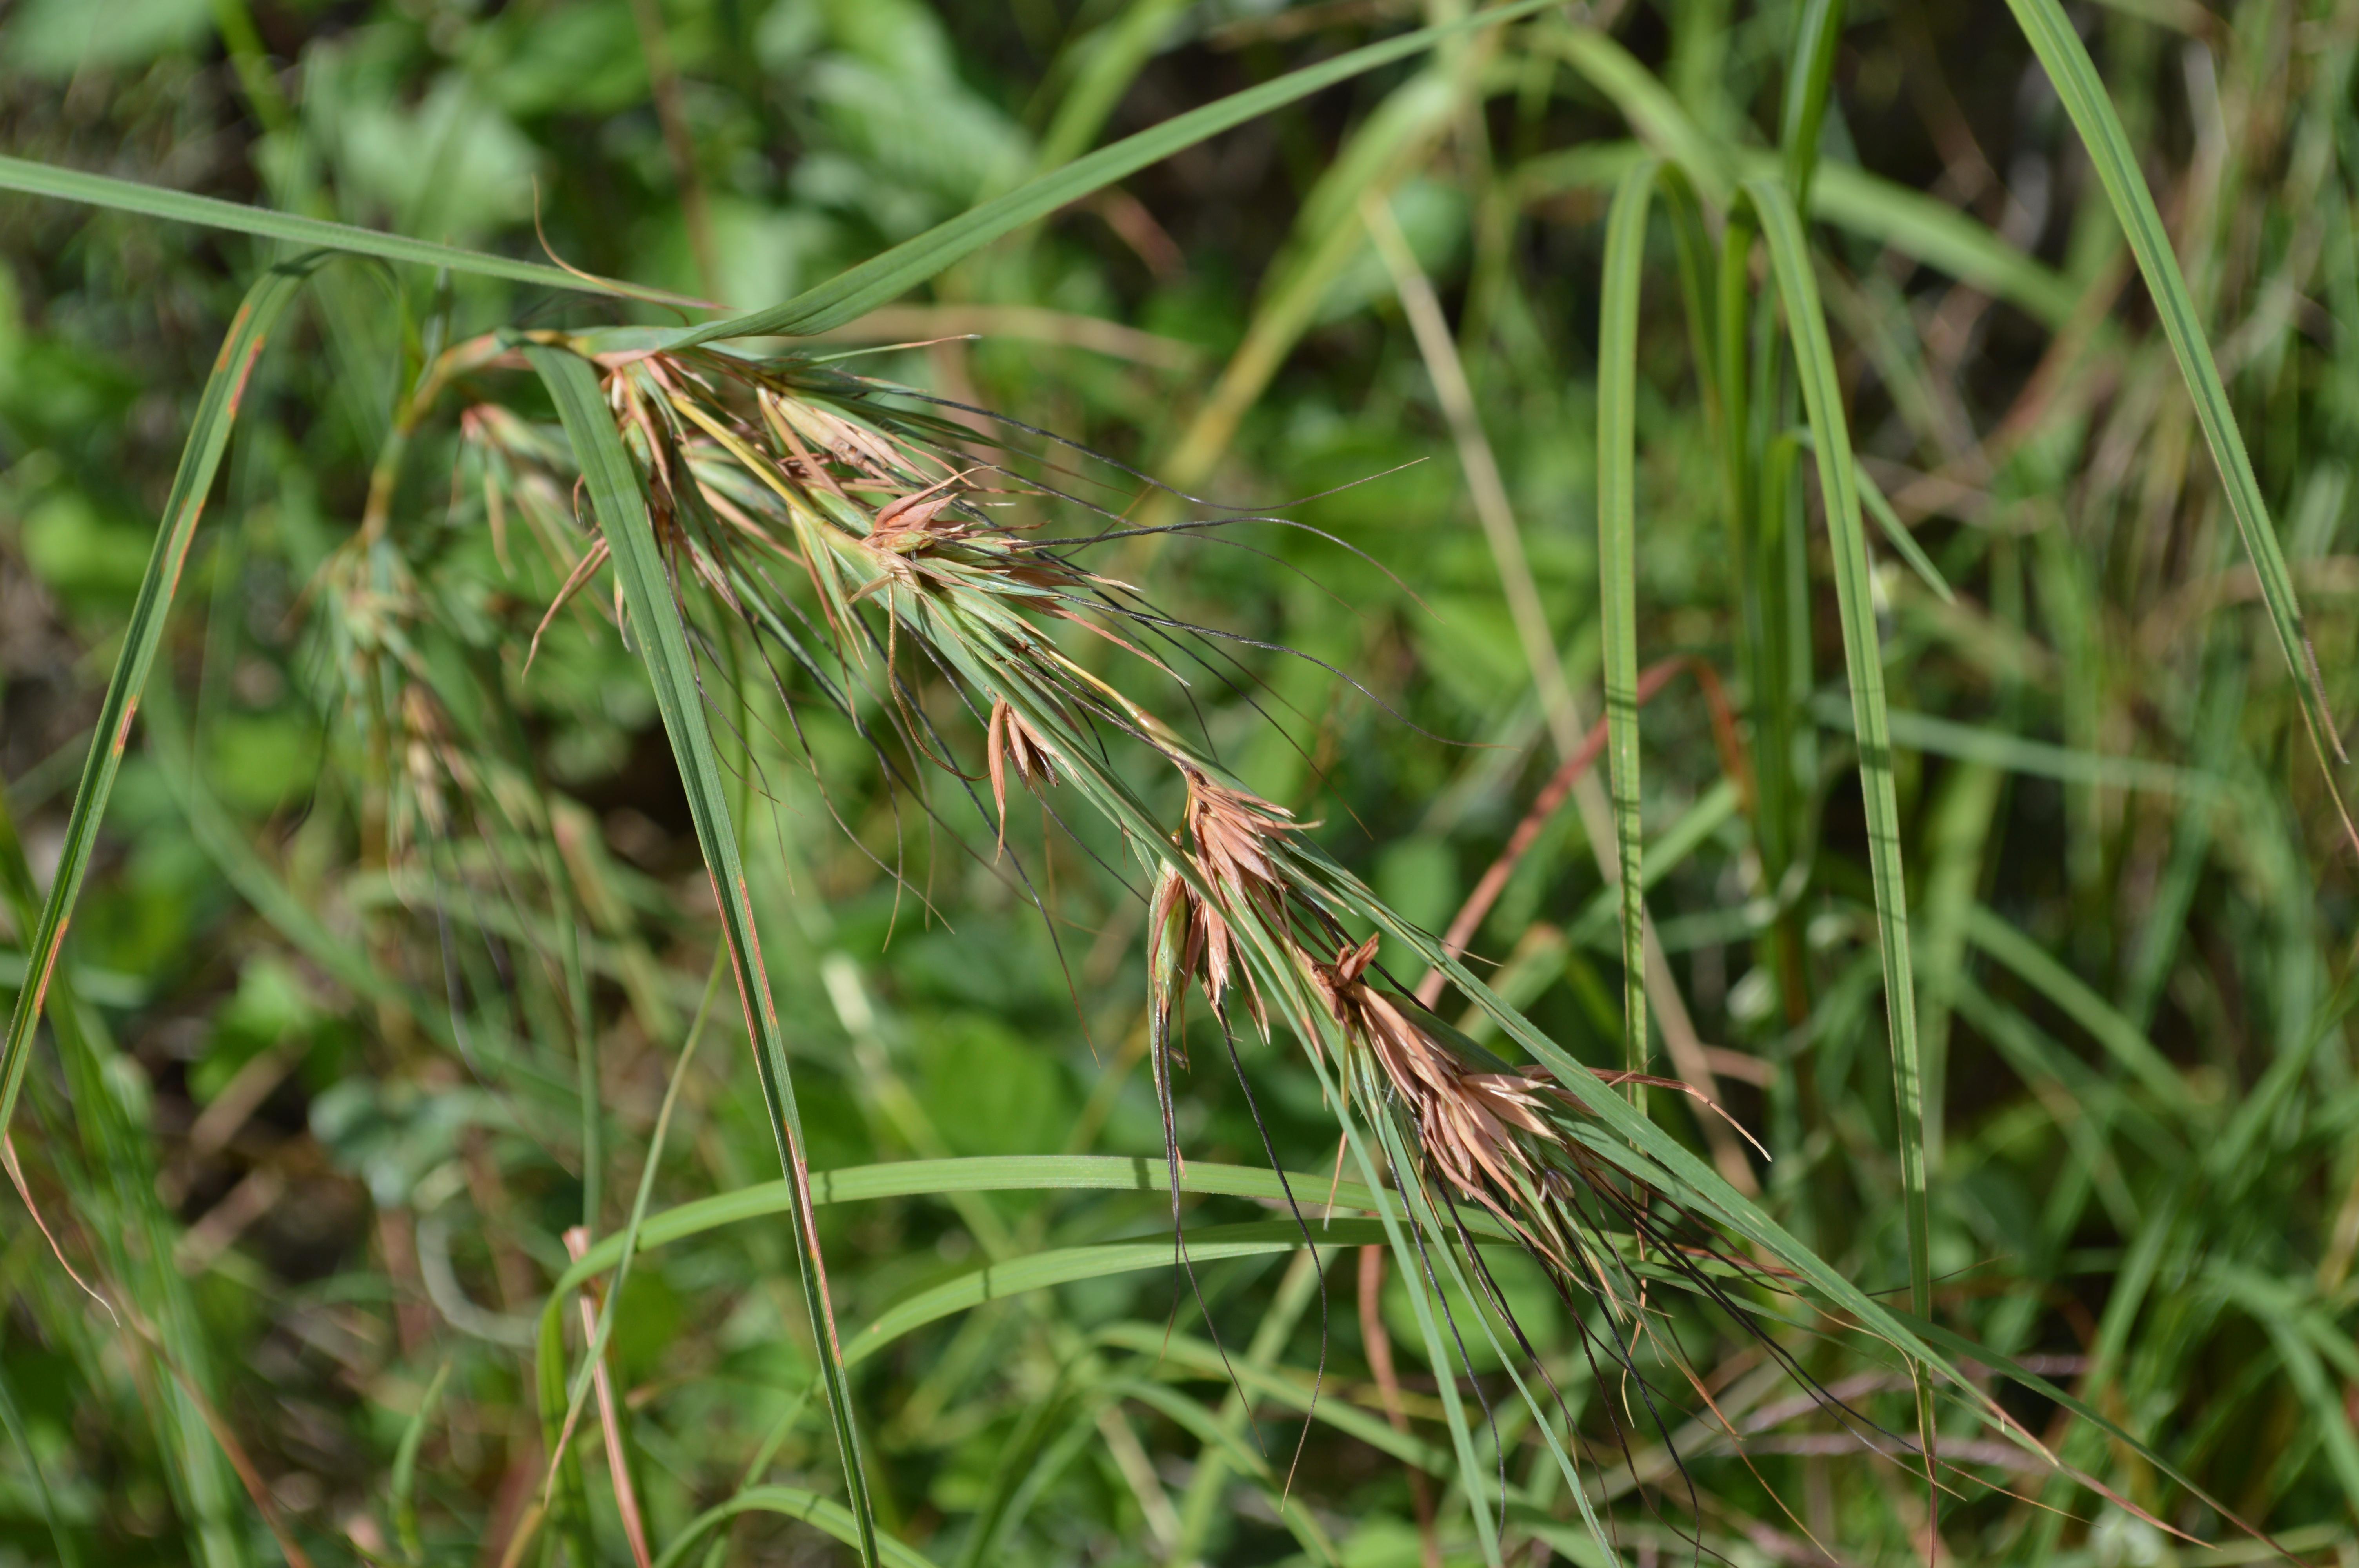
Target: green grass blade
point(1618, 573)
point(983, 1174)
point(1789, 257)
point(2042, 759)
point(14, 1425)
point(1897, 533)
point(1648, 105)
point(1328, 233)
point(823, 1513)
point(2122, 1040)
point(853, 293)
point(1173, 1352)
point(143, 633)
point(1064, 1265)
point(1218, 1438)
point(1936, 233)
point(1809, 78)
point(1917, 225)
point(404, 1485)
point(263, 224)
point(1958, 1345)
point(1109, 61)
point(2059, 46)
point(622, 510)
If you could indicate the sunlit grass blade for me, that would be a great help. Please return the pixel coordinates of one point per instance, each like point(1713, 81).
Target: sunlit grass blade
point(2059, 46)
point(882, 279)
point(621, 506)
point(1618, 573)
point(143, 634)
point(977, 1173)
point(263, 224)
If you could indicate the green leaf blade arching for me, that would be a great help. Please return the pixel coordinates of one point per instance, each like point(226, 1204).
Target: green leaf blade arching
point(264, 223)
point(853, 293)
point(143, 634)
point(2074, 76)
point(614, 492)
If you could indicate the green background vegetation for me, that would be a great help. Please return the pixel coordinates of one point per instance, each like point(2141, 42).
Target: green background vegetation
point(332, 1210)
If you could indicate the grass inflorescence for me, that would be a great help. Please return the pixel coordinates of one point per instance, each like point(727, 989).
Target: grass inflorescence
point(1887, 1097)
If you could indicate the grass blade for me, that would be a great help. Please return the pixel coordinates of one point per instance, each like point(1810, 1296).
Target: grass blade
point(1817, 32)
point(1109, 60)
point(1327, 235)
point(2061, 51)
point(2122, 1040)
point(1617, 574)
point(822, 1513)
point(1781, 228)
point(264, 223)
point(980, 1174)
point(13, 1424)
point(405, 1467)
point(614, 486)
point(1805, 325)
point(143, 633)
point(1917, 225)
point(882, 279)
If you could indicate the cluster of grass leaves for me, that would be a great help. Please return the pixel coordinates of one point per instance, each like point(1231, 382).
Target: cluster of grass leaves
point(2017, 923)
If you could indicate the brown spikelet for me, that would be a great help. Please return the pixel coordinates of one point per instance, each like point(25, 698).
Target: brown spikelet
point(1012, 742)
point(1495, 1135)
point(1188, 941)
point(1233, 832)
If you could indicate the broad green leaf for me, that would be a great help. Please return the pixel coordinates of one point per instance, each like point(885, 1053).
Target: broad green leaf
point(614, 492)
point(877, 281)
